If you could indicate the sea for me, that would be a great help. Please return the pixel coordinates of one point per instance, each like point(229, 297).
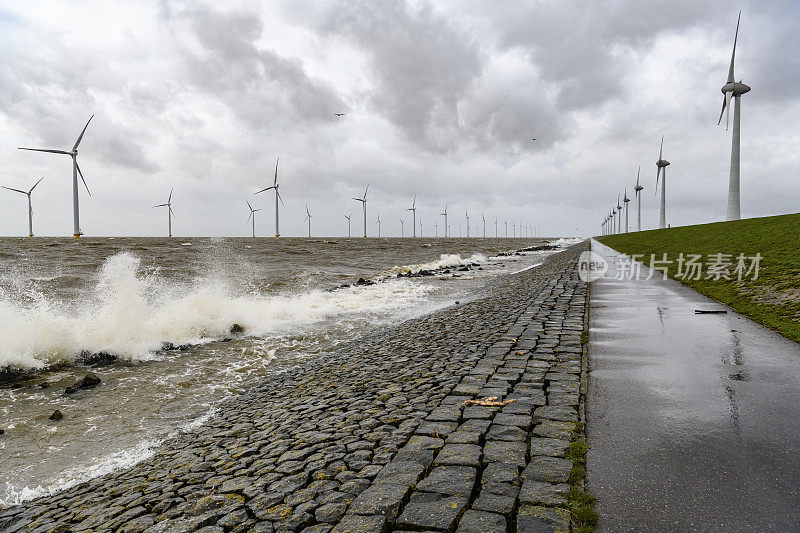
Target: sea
point(153, 319)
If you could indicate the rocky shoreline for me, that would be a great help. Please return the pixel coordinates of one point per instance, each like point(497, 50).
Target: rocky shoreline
point(380, 435)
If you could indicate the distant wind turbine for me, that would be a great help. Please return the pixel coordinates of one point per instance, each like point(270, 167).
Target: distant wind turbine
point(661, 170)
point(348, 217)
point(379, 224)
point(436, 228)
point(625, 201)
point(402, 231)
point(413, 210)
point(364, 205)
point(277, 197)
point(466, 213)
point(733, 89)
point(30, 209)
point(170, 214)
point(253, 216)
point(619, 219)
point(308, 217)
point(506, 224)
point(420, 229)
point(484, 225)
point(445, 221)
point(76, 226)
point(638, 192)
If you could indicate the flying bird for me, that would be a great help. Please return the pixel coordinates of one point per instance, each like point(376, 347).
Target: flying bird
point(339, 114)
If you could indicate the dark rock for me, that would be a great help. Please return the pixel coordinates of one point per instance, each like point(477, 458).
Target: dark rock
point(236, 328)
point(96, 359)
point(226, 339)
point(89, 381)
point(463, 269)
point(362, 281)
point(44, 385)
point(56, 416)
point(2, 431)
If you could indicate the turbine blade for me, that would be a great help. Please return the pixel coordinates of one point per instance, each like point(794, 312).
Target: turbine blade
point(248, 204)
point(81, 135)
point(169, 200)
point(172, 212)
point(637, 175)
point(280, 197)
point(733, 53)
point(728, 106)
point(81, 173)
point(46, 150)
point(276, 172)
point(661, 150)
point(249, 216)
point(724, 105)
point(35, 184)
point(262, 190)
point(161, 205)
point(16, 190)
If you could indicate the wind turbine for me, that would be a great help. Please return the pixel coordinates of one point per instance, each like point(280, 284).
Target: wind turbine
point(170, 214)
point(506, 223)
point(662, 165)
point(253, 216)
point(379, 224)
point(364, 204)
point(445, 220)
point(308, 217)
point(277, 197)
point(436, 228)
point(420, 229)
point(30, 209)
point(76, 226)
point(348, 217)
point(467, 215)
point(619, 220)
point(402, 231)
point(625, 201)
point(484, 224)
point(413, 210)
point(733, 89)
point(613, 219)
point(638, 191)
point(495, 227)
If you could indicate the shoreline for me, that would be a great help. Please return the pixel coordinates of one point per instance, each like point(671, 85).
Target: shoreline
point(327, 428)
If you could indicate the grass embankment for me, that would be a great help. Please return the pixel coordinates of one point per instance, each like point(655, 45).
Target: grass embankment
point(773, 299)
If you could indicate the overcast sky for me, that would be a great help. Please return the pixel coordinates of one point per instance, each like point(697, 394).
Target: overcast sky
point(441, 98)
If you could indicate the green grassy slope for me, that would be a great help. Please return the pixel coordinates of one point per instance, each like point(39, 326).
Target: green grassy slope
point(772, 300)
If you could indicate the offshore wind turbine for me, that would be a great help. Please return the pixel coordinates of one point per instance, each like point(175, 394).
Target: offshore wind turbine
point(445, 220)
point(625, 201)
point(506, 224)
point(436, 229)
point(348, 217)
point(379, 224)
point(364, 205)
point(466, 212)
point(638, 191)
point(413, 210)
point(661, 170)
point(277, 197)
point(495, 227)
point(76, 226)
point(484, 224)
point(402, 230)
point(420, 229)
point(30, 209)
point(170, 214)
point(733, 89)
point(253, 216)
point(308, 217)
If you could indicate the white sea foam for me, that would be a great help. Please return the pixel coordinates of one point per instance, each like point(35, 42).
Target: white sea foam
point(444, 261)
point(131, 313)
point(566, 241)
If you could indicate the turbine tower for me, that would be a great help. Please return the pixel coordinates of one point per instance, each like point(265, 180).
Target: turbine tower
point(253, 216)
point(495, 227)
point(638, 191)
point(483, 217)
point(364, 205)
point(402, 230)
point(625, 201)
point(662, 165)
point(733, 89)
point(76, 226)
point(348, 217)
point(613, 219)
point(379, 224)
point(619, 220)
point(277, 197)
point(308, 217)
point(466, 212)
point(413, 210)
point(445, 220)
point(30, 209)
point(170, 214)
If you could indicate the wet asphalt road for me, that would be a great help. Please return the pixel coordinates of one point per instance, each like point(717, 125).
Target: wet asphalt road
point(693, 420)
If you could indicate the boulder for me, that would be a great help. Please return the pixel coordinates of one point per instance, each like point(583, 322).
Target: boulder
point(236, 328)
point(56, 416)
point(89, 381)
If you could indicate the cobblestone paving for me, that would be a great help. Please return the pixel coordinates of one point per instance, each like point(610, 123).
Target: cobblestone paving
point(375, 437)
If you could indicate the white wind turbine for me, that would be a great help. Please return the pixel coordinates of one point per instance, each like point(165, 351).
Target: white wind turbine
point(483, 217)
point(638, 192)
point(661, 170)
point(413, 210)
point(613, 219)
point(402, 231)
point(467, 215)
point(625, 201)
point(379, 224)
point(495, 227)
point(308, 217)
point(619, 220)
point(277, 197)
point(506, 224)
point(76, 226)
point(445, 220)
point(253, 216)
point(364, 205)
point(436, 228)
point(348, 217)
point(420, 229)
point(30, 209)
point(170, 214)
point(733, 89)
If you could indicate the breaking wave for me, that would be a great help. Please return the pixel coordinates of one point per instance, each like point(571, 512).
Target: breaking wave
point(444, 261)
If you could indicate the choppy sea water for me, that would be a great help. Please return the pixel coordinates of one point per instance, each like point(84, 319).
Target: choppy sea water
point(129, 296)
